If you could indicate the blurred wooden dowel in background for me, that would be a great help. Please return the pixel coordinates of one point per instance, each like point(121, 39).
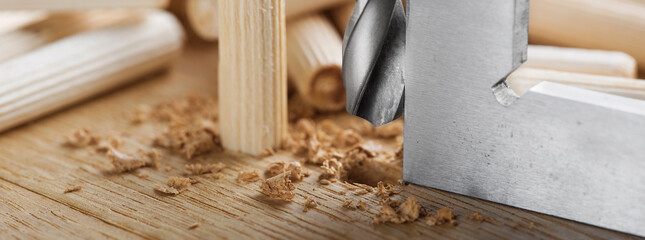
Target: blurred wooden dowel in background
point(252, 76)
point(596, 24)
point(341, 16)
point(79, 4)
point(314, 59)
point(600, 62)
point(57, 26)
point(525, 78)
point(12, 20)
point(202, 14)
point(83, 65)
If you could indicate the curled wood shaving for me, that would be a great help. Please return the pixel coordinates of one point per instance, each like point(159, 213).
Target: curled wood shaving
point(309, 204)
point(279, 187)
point(199, 169)
point(330, 170)
point(248, 177)
point(79, 138)
point(384, 190)
point(347, 138)
point(406, 212)
point(444, 216)
point(297, 173)
point(175, 185)
point(72, 188)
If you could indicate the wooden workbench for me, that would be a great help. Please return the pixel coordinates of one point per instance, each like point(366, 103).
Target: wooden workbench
point(35, 169)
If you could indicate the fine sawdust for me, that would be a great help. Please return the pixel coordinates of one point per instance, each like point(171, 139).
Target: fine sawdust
point(309, 204)
point(444, 216)
point(248, 176)
point(79, 138)
point(175, 185)
point(297, 173)
point(199, 169)
point(72, 188)
point(409, 211)
point(279, 187)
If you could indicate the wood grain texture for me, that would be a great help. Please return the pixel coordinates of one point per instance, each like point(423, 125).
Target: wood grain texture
point(32, 157)
point(598, 62)
point(83, 65)
point(253, 86)
point(56, 26)
point(79, 4)
point(315, 59)
point(617, 25)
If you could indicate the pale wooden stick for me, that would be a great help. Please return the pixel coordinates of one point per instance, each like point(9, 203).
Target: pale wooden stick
point(252, 82)
point(12, 20)
point(341, 16)
point(617, 25)
point(80, 66)
point(202, 14)
point(525, 78)
point(600, 62)
point(315, 59)
point(57, 26)
point(79, 4)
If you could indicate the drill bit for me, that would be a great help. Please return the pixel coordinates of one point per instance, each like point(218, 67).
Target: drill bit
point(373, 51)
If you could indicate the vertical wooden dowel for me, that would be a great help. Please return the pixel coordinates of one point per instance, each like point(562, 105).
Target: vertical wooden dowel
point(252, 80)
point(315, 61)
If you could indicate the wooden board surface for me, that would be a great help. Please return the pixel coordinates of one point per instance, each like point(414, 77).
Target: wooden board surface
point(35, 169)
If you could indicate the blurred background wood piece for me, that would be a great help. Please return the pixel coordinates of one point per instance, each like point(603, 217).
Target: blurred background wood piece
point(202, 14)
point(600, 62)
point(81, 66)
point(57, 26)
point(525, 78)
point(341, 16)
point(617, 25)
point(12, 20)
point(79, 4)
point(252, 80)
point(315, 61)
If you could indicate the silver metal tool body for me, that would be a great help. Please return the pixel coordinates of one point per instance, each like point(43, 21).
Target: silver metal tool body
point(558, 150)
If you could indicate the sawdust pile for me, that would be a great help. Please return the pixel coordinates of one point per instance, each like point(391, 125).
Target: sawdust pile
point(279, 187)
point(444, 216)
point(407, 212)
point(175, 185)
point(248, 176)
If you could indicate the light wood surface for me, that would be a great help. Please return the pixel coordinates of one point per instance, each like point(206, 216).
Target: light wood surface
point(79, 4)
point(12, 20)
point(253, 88)
point(83, 65)
point(35, 169)
point(314, 59)
point(617, 25)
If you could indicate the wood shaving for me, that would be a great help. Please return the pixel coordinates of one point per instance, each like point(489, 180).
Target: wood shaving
point(151, 157)
point(384, 190)
point(329, 127)
point(297, 173)
point(199, 169)
point(348, 204)
point(72, 188)
point(478, 217)
point(123, 162)
point(267, 152)
point(347, 138)
point(309, 204)
point(175, 185)
point(248, 177)
point(324, 182)
point(79, 138)
point(406, 212)
point(193, 226)
point(330, 170)
point(444, 216)
point(360, 205)
point(279, 187)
